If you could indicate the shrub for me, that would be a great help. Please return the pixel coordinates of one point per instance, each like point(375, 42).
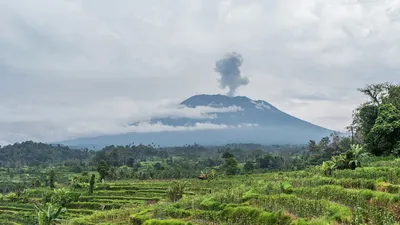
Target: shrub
point(250, 194)
point(249, 215)
point(387, 187)
point(64, 197)
point(211, 204)
point(286, 187)
point(139, 218)
point(12, 197)
point(170, 211)
point(48, 215)
point(176, 190)
point(304, 207)
point(92, 181)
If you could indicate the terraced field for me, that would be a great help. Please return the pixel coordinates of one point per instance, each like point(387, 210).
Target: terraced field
point(368, 195)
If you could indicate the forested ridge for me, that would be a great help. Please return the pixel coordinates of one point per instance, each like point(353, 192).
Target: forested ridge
point(31, 153)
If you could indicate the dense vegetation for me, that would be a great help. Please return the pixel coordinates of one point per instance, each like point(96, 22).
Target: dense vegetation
point(336, 180)
point(38, 154)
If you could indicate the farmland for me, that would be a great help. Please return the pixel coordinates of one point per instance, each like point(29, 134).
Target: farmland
point(366, 195)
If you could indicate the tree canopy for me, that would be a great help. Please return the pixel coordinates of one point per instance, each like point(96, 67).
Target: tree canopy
point(377, 122)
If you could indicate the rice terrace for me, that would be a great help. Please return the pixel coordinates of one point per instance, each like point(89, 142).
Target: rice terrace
point(366, 195)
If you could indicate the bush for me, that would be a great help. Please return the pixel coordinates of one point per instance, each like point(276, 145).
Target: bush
point(286, 187)
point(176, 190)
point(387, 187)
point(211, 204)
point(12, 197)
point(170, 211)
point(139, 218)
point(248, 215)
point(250, 194)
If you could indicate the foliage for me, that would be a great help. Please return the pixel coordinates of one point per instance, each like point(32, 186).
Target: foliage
point(327, 147)
point(30, 153)
point(12, 197)
point(62, 197)
point(364, 119)
point(165, 222)
point(377, 122)
point(211, 174)
point(49, 214)
point(103, 169)
point(176, 190)
point(286, 187)
point(211, 203)
point(327, 167)
point(249, 215)
point(347, 197)
point(248, 167)
point(92, 181)
point(349, 160)
point(376, 92)
point(385, 134)
point(231, 164)
point(52, 175)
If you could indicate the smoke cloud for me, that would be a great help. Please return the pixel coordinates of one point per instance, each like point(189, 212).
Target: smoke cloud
point(228, 68)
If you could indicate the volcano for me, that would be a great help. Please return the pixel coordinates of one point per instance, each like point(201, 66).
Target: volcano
point(253, 121)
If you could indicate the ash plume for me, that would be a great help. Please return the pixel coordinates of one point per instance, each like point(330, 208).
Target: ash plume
point(228, 68)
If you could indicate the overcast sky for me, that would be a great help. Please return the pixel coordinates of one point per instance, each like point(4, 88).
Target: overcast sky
point(74, 68)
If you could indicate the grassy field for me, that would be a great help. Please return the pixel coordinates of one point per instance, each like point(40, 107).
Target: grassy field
point(367, 195)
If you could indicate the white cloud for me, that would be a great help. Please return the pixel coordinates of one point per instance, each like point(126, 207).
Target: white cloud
point(67, 63)
point(110, 116)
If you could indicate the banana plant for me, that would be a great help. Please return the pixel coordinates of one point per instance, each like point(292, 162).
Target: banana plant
point(48, 215)
point(357, 153)
point(328, 167)
point(212, 174)
point(176, 190)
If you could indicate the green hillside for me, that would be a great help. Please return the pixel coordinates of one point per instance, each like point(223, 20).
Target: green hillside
point(366, 195)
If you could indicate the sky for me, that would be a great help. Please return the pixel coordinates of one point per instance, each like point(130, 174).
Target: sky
point(71, 68)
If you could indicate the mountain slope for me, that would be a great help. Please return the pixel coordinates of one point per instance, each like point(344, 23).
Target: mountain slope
point(251, 112)
point(245, 121)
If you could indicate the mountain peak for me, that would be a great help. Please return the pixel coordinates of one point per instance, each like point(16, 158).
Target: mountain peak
point(218, 101)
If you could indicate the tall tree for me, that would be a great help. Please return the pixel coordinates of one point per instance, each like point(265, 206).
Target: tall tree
point(365, 115)
point(312, 147)
point(385, 134)
point(376, 92)
point(52, 175)
point(231, 164)
point(103, 169)
point(91, 183)
point(249, 166)
point(393, 96)
point(364, 119)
